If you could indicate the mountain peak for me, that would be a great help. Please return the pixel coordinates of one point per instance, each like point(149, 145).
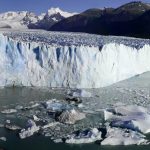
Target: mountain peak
point(135, 5)
point(12, 14)
point(53, 11)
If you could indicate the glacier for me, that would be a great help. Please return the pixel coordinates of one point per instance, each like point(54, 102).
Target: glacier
point(73, 60)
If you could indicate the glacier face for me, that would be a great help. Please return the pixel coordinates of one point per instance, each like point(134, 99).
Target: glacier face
point(43, 62)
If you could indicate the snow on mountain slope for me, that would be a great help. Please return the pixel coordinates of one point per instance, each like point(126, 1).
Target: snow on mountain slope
point(17, 19)
point(23, 19)
point(57, 10)
point(54, 59)
point(48, 19)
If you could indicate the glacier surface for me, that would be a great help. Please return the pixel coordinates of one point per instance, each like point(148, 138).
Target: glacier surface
point(75, 60)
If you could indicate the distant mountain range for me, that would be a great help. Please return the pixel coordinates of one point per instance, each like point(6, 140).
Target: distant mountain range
point(131, 19)
point(25, 19)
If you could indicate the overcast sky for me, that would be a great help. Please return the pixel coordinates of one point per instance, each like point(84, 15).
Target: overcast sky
point(39, 6)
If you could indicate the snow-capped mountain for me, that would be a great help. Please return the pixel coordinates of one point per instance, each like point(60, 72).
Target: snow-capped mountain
point(131, 19)
point(57, 10)
point(17, 20)
point(48, 19)
point(25, 19)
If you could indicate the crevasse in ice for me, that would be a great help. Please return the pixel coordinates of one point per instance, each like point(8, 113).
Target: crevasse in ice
point(25, 61)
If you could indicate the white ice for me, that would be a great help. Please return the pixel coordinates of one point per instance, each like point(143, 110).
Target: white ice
point(54, 105)
point(51, 59)
point(91, 136)
point(129, 116)
point(79, 93)
point(31, 129)
point(8, 111)
point(116, 136)
point(71, 116)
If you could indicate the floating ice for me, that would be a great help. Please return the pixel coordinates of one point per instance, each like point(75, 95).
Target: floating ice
point(35, 118)
point(55, 106)
point(12, 127)
point(19, 107)
point(3, 139)
point(129, 116)
point(71, 116)
point(52, 124)
point(31, 129)
point(79, 93)
point(88, 136)
point(32, 106)
point(9, 111)
point(8, 121)
point(117, 136)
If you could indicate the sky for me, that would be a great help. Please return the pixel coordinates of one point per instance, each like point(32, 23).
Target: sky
point(39, 6)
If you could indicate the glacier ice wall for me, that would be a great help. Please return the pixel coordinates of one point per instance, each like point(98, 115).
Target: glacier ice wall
point(38, 64)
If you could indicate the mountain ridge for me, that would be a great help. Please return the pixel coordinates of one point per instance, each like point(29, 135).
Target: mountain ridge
point(26, 19)
point(124, 20)
point(131, 19)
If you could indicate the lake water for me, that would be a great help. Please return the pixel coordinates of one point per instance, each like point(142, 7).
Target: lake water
point(123, 91)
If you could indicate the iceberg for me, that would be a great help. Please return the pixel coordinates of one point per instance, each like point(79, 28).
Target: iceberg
point(122, 110)
point(58, 141)
point(116, 136)
point(74, 60)
point(71, 116)
point(129, 116)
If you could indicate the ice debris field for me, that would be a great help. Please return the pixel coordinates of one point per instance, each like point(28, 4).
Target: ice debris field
point(75, 60)
point(67, 121)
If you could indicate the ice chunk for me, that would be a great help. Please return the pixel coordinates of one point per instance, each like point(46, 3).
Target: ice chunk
point(8, 121)
point(55, 106)
point(129, 116)
point(139, 122)
point(52, 124)
point(124, 110)
point(71, 116)
point(130, 109)
point(117, 136)
point(35, 118)
point(79, 93)
point(19, 107)
point(3, 139)
point(12, 127)
point(32, 106)
point(58, 140)
point(31, 129)
point(8, 111)
point(87, 136)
